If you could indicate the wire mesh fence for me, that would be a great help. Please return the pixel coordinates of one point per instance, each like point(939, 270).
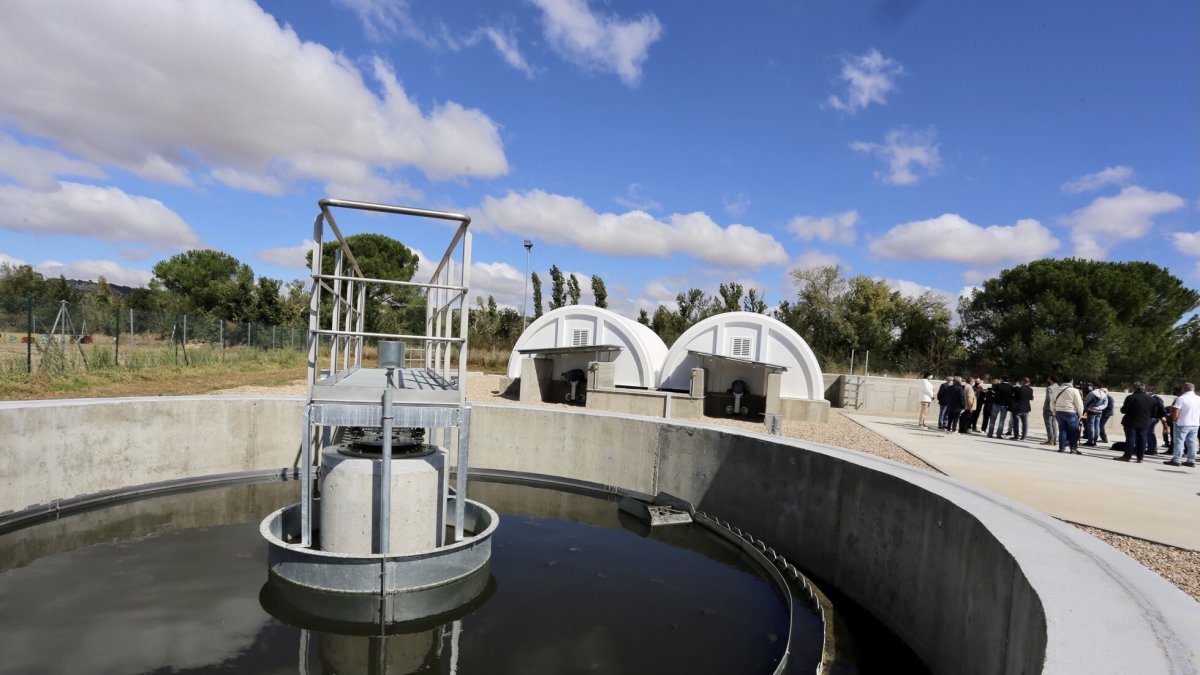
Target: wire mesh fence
point(41, 337)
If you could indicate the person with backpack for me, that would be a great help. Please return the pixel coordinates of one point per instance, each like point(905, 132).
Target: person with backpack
point(1094, 407)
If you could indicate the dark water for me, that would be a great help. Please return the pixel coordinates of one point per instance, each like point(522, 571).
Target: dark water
point(172, 585)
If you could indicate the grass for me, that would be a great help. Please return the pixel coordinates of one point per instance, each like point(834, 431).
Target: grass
point(162, 371)
point(154, 373)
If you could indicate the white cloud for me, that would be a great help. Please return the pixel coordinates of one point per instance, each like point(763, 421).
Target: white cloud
point(382, 19)
point(500, 280)
point(1188, 243)
point(1109, 220)
point(812, 259)
point(105, 213)
point(869, 78)
point(737, 206)
point(634, 199)
point(1113, 175)
point(172, 90)
point(92, 270)
point(37, 168)
point(837, 228)
point(558, 219)
point(952, 238)
point(291, 257)
point(910, 155)
point(506, 43)
point(604, 43)
point(88, 270)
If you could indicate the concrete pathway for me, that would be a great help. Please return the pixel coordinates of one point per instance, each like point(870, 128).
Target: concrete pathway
point(1150, 501)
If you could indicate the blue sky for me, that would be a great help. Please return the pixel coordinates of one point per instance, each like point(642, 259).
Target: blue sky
point(662, 146)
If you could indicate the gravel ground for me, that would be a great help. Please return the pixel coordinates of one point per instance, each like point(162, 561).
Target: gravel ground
point(1181, 567)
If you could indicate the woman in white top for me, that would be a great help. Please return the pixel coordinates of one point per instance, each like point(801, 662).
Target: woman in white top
point(926, 398)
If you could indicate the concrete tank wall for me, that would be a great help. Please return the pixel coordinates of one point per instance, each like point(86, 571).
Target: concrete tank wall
point(62, 449)
point(972, 582)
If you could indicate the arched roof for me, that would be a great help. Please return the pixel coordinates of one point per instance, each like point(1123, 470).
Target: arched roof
point(750, 337)
point(642, 351)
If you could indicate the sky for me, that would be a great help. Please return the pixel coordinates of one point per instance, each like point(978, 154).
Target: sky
point(662, 146)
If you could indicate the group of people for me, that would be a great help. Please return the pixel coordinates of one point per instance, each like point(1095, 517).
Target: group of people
point(1069, 412)
point(965, 404)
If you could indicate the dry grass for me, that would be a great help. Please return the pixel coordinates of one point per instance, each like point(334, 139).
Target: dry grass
point(253, 368)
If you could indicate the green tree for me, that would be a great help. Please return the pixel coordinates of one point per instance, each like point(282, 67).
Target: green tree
point(558, 297)
point(599, 293)
point(643, 317)
point(22, 282)
point(104, 292)
point(392, 309)
point(693, 306)
point(753, 303)
point(573, 290)
point(295, 304)
point(666, 324)
point(268, 302)
point(1108, 320)
point(871, 309)
point(58, 290)
point(537, 295)
point(817, 314)
point(926, 339)
point(203, 281)
point(731, 296)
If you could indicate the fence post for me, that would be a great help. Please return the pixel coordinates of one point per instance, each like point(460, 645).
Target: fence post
point(221, 333)
point(117, 337)
point(183, 335)
point(248, 343)
point(29, 338)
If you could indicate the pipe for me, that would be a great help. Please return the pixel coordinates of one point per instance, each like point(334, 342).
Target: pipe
point(385, 492)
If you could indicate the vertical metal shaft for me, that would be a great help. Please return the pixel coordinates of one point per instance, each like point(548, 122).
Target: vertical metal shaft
point(306, 479)
point(385, 490)
point(460, 484)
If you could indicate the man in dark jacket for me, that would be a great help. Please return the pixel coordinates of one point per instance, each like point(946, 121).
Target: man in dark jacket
point(1137, 409)
point(956, 402)
point(1002, 400)
point(941, 399)
point(1022, 405)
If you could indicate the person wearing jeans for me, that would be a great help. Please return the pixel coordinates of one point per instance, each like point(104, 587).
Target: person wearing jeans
point(1185, 413)
point(1002, 398)
point(1068, 408)
point(1048, 412)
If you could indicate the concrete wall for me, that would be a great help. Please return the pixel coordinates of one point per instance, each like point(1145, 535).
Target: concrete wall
point(972, 582)
point(900, 397)
point(62, 449)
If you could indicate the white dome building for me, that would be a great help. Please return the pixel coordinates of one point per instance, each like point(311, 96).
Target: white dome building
point(575, 335)
point(751, 348)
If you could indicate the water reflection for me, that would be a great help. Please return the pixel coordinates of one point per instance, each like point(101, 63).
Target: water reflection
point(174, 584)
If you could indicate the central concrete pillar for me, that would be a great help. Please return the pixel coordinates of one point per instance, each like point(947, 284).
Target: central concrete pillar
point(350, 503)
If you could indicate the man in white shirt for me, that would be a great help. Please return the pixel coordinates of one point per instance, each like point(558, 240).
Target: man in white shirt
point(1186, 414)
point(926, 388)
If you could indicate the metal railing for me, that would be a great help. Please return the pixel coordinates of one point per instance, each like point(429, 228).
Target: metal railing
point(444, 343)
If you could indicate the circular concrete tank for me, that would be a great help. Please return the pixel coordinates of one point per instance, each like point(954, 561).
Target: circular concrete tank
point(350, 500)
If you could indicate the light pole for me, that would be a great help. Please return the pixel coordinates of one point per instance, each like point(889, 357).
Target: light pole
point(525, 298)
